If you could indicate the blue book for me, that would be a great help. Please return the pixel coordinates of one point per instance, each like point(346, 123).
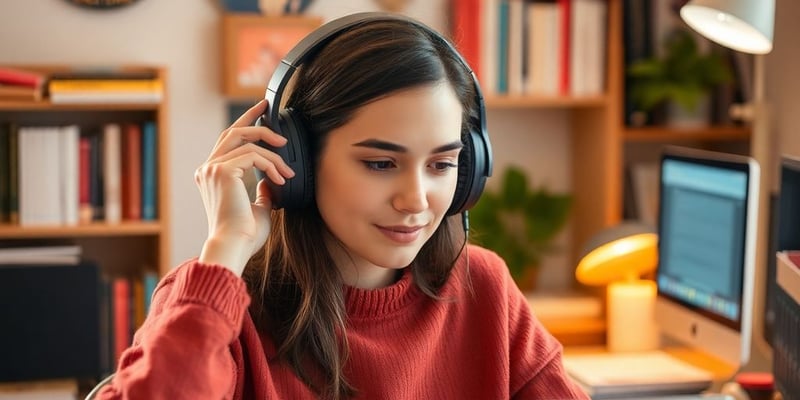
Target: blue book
point(150, 282)
point(502, 46)
point(149, 174)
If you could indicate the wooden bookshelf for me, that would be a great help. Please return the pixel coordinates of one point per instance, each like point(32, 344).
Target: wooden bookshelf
point(127, 228)
point(123, 248)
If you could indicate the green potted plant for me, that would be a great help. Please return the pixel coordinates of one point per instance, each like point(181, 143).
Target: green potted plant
point(682, 77)
point(519, 223)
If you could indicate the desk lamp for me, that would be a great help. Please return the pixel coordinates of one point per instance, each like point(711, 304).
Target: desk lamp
point(747, 26)
point(618, 257)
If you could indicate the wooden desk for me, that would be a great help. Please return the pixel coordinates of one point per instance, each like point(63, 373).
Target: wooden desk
point(577, 331)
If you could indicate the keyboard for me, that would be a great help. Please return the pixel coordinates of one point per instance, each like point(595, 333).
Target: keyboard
point(634, 375)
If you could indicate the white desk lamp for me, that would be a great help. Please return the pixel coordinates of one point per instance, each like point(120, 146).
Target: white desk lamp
point(747, 26)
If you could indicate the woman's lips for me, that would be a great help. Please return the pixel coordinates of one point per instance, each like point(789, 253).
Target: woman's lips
point(401, 234)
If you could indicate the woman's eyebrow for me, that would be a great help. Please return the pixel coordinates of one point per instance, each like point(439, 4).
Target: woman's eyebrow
point(394, 147)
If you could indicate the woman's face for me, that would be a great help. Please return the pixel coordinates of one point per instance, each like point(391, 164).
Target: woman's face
point(386, 179)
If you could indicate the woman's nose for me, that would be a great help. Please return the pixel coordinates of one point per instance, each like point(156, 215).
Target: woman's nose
point(411, 194)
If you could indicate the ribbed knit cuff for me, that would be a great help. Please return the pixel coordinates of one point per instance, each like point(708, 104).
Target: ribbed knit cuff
point(214, 286)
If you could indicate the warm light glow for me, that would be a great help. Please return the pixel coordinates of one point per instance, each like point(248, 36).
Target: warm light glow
point(623, 259)
point(729, 30)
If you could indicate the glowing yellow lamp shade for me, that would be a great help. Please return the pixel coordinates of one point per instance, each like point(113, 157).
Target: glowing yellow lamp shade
point(624, 258)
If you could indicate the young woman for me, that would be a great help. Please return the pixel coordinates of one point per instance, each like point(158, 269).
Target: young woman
point(368, 292)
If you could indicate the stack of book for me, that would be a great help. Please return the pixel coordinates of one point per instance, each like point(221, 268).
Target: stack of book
point(18, 84)
point(105, 86)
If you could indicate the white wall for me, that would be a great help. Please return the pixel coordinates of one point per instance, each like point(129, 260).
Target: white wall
point(183, 35)
point(782, 81)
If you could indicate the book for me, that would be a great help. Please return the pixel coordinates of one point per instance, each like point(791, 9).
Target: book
point(105, 85)
point(10, 92)
point(588, 47)
point(41, 255)
point(132, 172)
point(21, 77)
point(150, 280)
point(13, 173)
point(4, 173)
point(112, 178)
point(56, 314)
point(69, 138)
point(39, 187)
point(466, 31)
point(102, 73)
point(85, 212)
point(96, 179)
point(502, 46)
point(121, 295)
point(149, 171)
point(488, 46)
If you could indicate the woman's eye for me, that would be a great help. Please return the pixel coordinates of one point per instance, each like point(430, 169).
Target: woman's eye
point(442, 166)
point(381, 165)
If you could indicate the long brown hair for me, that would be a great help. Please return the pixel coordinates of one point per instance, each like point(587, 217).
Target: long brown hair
point(296, 290)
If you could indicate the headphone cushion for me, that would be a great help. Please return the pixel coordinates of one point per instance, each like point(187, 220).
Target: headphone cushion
point(298, 191)
point(466, 172)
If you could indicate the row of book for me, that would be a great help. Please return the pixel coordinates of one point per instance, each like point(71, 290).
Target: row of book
point(89, 317)
point(534, 47)
point(81, 86)
point(71, 175)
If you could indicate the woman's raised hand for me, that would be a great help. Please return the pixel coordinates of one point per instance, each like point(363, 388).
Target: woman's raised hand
point(237, 228)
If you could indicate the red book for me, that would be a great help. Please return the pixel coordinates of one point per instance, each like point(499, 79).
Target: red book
point(18, 77)
point(466, 31)
point(132, 173)
point(121, 292)
point(84, 178)
point(564, 47)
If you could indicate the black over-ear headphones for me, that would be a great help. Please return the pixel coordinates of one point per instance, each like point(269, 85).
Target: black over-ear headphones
point(475, 159)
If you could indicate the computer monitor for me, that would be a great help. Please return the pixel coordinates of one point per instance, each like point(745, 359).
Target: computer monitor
point(707, 241)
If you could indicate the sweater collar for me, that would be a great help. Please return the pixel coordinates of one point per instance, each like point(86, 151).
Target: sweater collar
point(371, 303)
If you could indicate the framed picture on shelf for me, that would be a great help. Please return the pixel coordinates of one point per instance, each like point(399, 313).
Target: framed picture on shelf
point(253, 45)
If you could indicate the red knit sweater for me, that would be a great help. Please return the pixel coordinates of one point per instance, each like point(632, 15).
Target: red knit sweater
point(199, 342)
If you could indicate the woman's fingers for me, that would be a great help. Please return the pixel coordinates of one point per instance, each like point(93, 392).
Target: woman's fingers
point(278, 163)
point(250, 116)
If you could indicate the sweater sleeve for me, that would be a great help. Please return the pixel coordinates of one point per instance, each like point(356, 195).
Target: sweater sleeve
point(182, 351)
point(537, 371)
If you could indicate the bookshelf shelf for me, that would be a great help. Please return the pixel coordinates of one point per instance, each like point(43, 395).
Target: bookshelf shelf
point(662, 134)
point(50, 106)
point(510, 102)
point(90, 230)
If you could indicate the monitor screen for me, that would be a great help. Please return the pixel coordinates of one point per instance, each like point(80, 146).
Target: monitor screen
point(707, 226)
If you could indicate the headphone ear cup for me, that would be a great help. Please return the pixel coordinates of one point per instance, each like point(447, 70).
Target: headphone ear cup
point(298, 191)
point(470, 183)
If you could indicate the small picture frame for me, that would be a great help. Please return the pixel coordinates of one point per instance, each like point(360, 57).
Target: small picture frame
point(253, 45)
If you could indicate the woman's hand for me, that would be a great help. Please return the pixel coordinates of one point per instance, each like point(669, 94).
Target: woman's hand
point(237, 228)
